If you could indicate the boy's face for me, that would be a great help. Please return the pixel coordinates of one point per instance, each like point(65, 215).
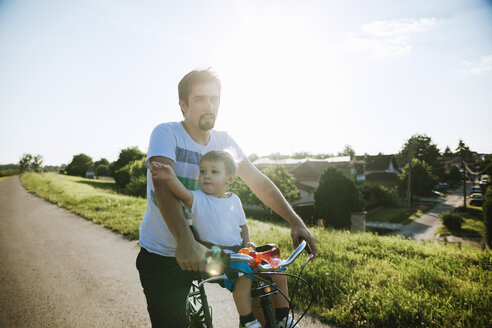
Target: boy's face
point(213, 178)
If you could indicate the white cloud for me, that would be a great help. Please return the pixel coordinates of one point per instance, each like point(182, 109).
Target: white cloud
point(479, 67)
point(388, 38)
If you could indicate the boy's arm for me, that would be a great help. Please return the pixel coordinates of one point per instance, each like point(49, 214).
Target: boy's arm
point(245, 236)
point(165, 172)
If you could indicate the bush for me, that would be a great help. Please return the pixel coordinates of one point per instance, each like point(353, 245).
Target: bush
point(487, 213)
point(79, 165)
point(132, 178)
point(6, 173)
point(377, 195)
point(335, 198)
point(126, 156)
point(103, 170)
point(452, 221)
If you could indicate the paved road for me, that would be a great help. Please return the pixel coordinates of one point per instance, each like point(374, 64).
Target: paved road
point(60, 270)
point(425, 227)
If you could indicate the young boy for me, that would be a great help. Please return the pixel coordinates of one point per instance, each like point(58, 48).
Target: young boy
point(219, 219)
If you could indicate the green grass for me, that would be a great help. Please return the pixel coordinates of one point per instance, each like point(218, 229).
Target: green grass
point(360, 280)
point(473, 225)
point(402, 215)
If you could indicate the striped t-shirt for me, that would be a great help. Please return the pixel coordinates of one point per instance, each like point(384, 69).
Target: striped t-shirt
point(172, 141)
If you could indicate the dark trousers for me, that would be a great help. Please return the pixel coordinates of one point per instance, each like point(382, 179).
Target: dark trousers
point(166, 288)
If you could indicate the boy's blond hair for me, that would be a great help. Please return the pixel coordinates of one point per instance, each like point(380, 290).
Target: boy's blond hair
point(221, 156)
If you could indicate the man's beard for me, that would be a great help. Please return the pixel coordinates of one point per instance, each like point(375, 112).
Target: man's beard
point(206, 122)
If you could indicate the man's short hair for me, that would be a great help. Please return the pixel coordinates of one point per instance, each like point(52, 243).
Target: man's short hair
point(221, 156)
point(194, 77)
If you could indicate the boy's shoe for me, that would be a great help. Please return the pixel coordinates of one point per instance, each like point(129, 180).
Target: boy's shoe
point(252, 324)
point(287, 322)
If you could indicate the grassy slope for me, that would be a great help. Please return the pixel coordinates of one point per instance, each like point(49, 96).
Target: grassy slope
point(359, 279)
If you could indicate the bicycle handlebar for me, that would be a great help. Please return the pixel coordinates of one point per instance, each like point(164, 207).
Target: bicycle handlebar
point(263, 267)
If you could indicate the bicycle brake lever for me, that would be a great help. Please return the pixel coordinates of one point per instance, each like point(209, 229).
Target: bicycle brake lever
point(307, 248)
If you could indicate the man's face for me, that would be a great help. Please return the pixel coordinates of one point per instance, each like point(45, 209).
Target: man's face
point(203, 105)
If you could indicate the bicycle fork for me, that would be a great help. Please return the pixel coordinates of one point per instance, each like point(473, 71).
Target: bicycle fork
point(263, 292)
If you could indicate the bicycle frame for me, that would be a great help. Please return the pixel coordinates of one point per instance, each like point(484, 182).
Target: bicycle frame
point(198, 309)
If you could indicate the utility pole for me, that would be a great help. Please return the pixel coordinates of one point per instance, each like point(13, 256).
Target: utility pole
point(464, 183)
point(409, 184)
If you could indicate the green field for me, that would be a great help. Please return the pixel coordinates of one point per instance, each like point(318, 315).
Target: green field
point(360, 280)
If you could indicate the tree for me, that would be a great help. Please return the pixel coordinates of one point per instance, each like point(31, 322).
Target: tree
point(102, 168)
point(423, 181)
point(137, 183)
point(127, 155)
point(447, 153)
point(25, 162)
point(29, 162)
point(453, 177)
point(335, 198)
point(284, 181)
point(347, 151)
point(422, 147)
point(79, 165)
point(464, 152)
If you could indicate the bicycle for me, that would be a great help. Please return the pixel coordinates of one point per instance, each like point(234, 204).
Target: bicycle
point(199, 313)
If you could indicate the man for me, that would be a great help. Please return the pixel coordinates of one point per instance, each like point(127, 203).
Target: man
point(170, 255)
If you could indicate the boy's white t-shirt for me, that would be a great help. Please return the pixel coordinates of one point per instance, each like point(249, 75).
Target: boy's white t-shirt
point(172, 141)
point(218, 220)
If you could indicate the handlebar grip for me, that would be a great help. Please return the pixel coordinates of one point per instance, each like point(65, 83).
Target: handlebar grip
point(307, 248)
point(216, 253)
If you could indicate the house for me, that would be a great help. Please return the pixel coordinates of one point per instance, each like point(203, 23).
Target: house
point(379, 169)
point(90, 173)
point(307, 172)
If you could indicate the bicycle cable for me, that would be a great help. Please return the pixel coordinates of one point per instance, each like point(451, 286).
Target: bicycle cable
point(298, 278)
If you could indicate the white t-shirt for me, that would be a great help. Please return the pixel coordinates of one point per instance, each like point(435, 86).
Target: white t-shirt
point(218, 220)
point(172, 141)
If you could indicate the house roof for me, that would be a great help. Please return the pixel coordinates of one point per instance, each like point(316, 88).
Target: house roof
point(312, 169)
point(379, 162)
point(286, 161)
point(302, 186)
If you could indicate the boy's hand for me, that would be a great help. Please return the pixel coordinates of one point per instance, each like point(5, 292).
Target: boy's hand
point(250, 244)
point(161, 171)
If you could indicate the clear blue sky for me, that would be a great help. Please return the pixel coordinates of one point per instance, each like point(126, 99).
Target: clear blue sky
point(96, 76)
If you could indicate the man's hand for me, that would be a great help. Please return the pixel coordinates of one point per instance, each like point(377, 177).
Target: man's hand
point(300, 230)
point(162, 171)
point(191, 256)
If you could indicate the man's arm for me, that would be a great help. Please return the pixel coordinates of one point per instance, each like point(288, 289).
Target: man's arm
point(189, 253)
point(165, 172)
point(271, 196)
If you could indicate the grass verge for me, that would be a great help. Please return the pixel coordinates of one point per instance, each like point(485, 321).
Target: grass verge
point(359, 280)
point(473, 224)
point(402, 215)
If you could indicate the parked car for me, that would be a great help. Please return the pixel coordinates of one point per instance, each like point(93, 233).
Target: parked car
point(443, 187)
point(476, 190)
point(485, 178)
point(476, 199)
